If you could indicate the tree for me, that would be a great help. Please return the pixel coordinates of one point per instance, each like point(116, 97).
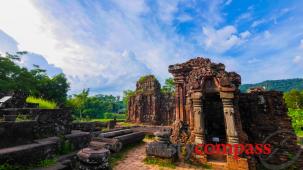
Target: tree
point(35, 82)
point(169, 86)
point(294, 99)
point(94, 106)
point(80, 100)
point(126, 95)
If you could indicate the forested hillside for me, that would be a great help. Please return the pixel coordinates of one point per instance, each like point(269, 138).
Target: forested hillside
point(279, 85)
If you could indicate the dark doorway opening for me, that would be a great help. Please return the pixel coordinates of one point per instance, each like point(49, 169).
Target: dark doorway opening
point(214, 122)
point(214, 118)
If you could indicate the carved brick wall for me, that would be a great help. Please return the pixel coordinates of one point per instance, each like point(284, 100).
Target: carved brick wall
point(149, 105)
point(264, 119)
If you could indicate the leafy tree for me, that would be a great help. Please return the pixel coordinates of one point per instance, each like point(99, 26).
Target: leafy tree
point(169, 86)
point(13, 77)
point(79, 101)
point(95, 106)
point(294, 99)
point(126, 95)
point(35, 82)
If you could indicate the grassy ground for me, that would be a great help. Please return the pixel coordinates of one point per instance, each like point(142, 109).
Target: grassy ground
point(127, 124)
point(42, 164)
point(167, 163)
point(96, 120)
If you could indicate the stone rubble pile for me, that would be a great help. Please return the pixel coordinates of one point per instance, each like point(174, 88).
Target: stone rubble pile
point(97, 154)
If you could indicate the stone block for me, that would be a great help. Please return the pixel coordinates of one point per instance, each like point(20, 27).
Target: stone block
point(93, 159)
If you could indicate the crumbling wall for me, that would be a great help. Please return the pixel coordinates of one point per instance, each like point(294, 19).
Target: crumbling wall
point(149, 105)
point(265, 120)
point(17, 100)
point(43, 123)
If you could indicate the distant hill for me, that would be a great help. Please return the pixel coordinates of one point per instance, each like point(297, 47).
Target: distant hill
point(279, 85)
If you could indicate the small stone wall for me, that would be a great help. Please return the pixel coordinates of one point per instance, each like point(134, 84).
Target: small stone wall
point(16, 133)
point(42, 149)
point(89, 126)
point(44, 123)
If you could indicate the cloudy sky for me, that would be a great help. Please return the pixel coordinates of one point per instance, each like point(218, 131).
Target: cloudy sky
point(107, 45)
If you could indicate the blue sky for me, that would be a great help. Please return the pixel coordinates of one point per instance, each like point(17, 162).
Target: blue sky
point(107, 45)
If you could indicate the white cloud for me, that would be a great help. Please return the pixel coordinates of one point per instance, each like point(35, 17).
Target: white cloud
point(167, 9)
point(298, 59)
point(7, 43)
point(245, 34)
point(267, 34)
point(31, 59)
point(258, 22)
point(184, 18)
point(106, 50)
point(223, 39)
point(244, 16)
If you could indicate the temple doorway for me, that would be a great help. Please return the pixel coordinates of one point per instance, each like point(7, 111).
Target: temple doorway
point(214, 118)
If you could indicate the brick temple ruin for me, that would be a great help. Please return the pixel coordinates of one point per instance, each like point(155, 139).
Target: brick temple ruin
point(208, 104)
point(149, 104)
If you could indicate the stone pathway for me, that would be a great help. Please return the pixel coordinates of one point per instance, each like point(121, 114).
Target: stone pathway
point(134, 161)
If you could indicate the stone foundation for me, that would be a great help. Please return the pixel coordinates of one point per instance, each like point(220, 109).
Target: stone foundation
point(41, 149)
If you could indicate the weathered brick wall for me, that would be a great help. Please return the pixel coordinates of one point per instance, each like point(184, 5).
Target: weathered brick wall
point(264, 119)
point(16, 133)
point(44, 123)
point(17, 101)
point(149, 105)
point(89, 126)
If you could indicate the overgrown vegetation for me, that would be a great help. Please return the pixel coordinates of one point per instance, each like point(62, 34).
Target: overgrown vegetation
point(167, 163)
point(34, 82)
point(65, 146)
point(144, 78)
point(22, 117)
point(297, 120)
point(43, 104)
point(97, 106)
point(41, 164)
point(169, 86)
point(294, 102)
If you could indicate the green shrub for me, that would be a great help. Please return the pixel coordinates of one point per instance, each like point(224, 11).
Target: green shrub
point(22, 117)
point(46, 163)
point(109, 115)
point(65, 147)
point(297, 120)
point(43, 104)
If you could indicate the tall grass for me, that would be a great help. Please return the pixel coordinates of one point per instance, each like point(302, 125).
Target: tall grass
point(43, 104)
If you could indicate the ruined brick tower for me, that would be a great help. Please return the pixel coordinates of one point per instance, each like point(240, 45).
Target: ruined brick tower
point(149, 105)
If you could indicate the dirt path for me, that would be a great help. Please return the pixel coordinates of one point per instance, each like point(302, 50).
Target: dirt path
point(134, 161)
